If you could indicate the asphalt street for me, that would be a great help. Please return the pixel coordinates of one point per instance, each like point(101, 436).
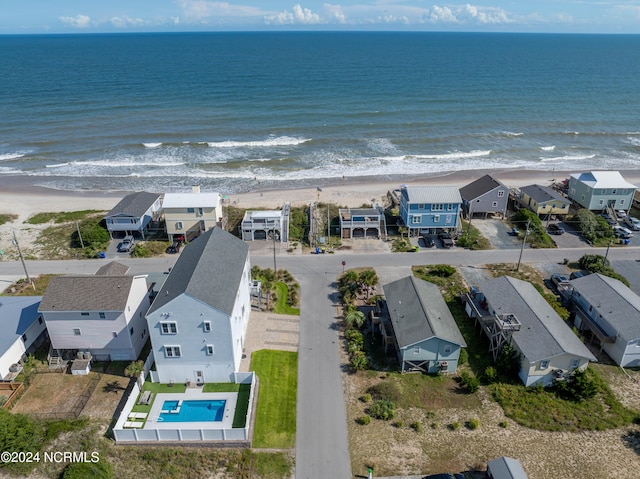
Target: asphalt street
point(321, 435)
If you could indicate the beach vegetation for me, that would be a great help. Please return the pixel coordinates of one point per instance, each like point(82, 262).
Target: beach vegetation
point(148, 249)
point(22, 287)
point(61, 217)
point(537, 236)
point(7, 218)
point(234, 219)
point(299, 224)
point(586, 404)
point(473, 239)
point(280, 290)
point(598, 264)
point(594, 228)
point(284, 298)
point(275, 425)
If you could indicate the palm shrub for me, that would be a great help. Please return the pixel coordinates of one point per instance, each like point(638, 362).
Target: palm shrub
point(354, 318)
point(382, 409)
point(359, 361)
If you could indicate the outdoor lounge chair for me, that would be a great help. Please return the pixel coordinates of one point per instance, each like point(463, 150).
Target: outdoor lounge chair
point(138, 415)
point(133, 424)
point(145, 398)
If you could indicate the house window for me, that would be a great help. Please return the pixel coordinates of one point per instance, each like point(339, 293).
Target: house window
point(84, 314)
point(207, 326)
point(500, 194)
point(169, 327)
point(582, 197)
point(114, 334)
point(40, 320)
point(209, 349)
point(451, 207)
point(24, 338)
point(191, 210)
point(614, 192)
point(416, 350)
point(447, 348)
point(437, 207)
point(421, 206)
point(494, 204)
point(77, 332)
point(574, 363)
point(447, 219)
point(172, 351)
point(544, 364)
point(200, 211)
point(436, 218)
point(131, 331)
point(601, 202)
point(621, 202)
point(416, 220)
point(102, 315)
point(178, 225)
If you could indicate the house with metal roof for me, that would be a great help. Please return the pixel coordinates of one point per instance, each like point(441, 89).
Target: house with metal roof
point(610, 312)
point(427, 337)
point(102, 315)
point(188, 215)
point(598, 190)
point(543, 200)
point(505, 468)
point(198, 320)
point(485, 196)
point(363, 223)
point(23, 330)
point(430, 208)
point(266, 224)
point(511, 311)
point(134, 213)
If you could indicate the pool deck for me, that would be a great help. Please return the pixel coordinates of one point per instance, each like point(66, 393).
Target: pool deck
point(192, 395)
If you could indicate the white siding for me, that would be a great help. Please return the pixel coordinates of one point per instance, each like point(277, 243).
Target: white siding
point(12, 355)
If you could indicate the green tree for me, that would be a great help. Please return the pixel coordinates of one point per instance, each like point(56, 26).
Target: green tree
point(368, 278)
point(508, 361)
point(354, 318)
point(134, 369)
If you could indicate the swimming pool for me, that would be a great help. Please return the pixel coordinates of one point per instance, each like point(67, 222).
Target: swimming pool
point(192, 411)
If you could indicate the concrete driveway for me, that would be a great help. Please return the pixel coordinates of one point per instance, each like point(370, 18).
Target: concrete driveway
point(498, 232)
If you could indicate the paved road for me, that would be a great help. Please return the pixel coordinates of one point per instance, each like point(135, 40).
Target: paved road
point(321, 437)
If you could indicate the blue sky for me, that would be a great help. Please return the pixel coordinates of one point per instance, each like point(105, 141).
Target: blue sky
point(92, 16)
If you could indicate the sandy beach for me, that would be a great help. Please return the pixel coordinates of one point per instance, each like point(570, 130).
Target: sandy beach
point(20, 196)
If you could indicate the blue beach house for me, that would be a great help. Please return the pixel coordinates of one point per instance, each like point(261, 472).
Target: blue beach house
point(432, 208)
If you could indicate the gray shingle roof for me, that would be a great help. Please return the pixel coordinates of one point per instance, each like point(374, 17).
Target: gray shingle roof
point(113, 268)
point(17, 313)
point(86, 293)
point(617, 304)
point(543, 193)
point(543, 333)
point(135, 204)
point(418, 312)
point(432, 194)
point(209, 269)
point(479, 187)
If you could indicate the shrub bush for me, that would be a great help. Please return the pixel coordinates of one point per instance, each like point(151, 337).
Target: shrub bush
point(454, 426)
point(359, 361)
point(398, 424)
point(416, 426)
point(83, 470)
point(382, 409)
point(442, 270)
point(364, 420)
point(471, 384)
point(473, 424)
point(464, 356)
point(388, 390)
point(365, 398)
point(490, 374)
point(503, 424)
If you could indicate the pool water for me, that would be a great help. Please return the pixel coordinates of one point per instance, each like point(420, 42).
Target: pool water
point(192, 411)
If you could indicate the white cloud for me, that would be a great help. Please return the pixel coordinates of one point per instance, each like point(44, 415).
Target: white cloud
point(299, 16)
point(441, 15)
point(467, 14)
point(79, 21)
point(203, 10)
point(335, 13)
point(123, 22)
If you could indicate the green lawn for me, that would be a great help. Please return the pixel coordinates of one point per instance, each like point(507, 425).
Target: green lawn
point(282, 303)
point(60, 217)
point(164, 388)
point(276, 413)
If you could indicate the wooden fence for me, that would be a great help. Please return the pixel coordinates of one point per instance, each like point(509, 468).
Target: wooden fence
point(16, 390)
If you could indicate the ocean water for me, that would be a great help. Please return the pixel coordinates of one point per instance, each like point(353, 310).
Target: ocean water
point(161, 112)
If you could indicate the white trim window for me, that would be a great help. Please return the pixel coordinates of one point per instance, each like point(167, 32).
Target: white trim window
point(447, 349)
point(436, 218)
point(500, 194)
point(168, 327)
point(416, 219)
point(77, 332)
point(437, 207)
point(494, 204)
point(544, 364)
point(416, 350)
point(178, 225)
point(172, 351)
point(206, 326)
point(210, 350)
point(574, 363)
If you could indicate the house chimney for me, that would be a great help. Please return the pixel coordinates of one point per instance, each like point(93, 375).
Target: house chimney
point(195, 188)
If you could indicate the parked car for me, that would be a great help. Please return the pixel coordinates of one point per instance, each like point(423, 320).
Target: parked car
point(578, 274)
point(555, 229)
point(447, 239)
point(127, 244)
point(622, 232)
point(609, 219)
point(559, 280)
point(429, 242)
point(621, 214)
point(174, 248)
point(633, 223)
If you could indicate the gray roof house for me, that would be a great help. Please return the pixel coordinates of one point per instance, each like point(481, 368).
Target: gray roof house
point(426, 335)
point(543, 200)
point(486, 196)
point(611, 312)
point(505, 468)
point(134, 213)
point(23, 330)
point(513, 312)
point(102, 315)
point(199, 318)
point(598, 190)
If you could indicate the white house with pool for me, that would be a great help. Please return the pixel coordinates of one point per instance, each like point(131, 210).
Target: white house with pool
point(199, 319)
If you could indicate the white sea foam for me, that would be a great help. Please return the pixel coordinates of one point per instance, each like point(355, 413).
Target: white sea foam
point(568, 158)
point(271, 141)
point(152, 145)
point(634, 141)
point(57, 165)
point(510, 133)
point(548, 148)
point(11, 156)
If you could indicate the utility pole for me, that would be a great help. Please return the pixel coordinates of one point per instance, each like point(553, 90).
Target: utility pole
point(273, 234)
point(604, 261)
point(79, 235)
point(328, 224)
point(524, 240)
point(24, 266)
point(466, 236)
